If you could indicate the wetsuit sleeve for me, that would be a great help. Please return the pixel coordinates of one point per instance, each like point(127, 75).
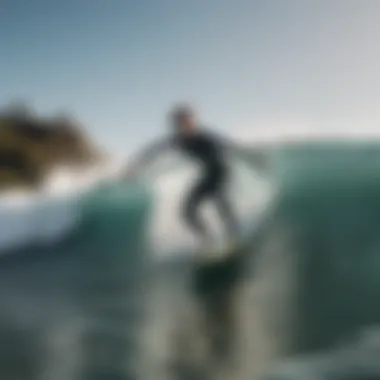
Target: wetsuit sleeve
point(255, 158)
point(150, 153)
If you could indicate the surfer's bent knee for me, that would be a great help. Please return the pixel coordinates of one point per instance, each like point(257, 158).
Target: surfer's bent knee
point(189, 212)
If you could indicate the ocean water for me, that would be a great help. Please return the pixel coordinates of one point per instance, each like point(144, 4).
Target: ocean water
point(73, 298)
point(84, 295)
point(325, 318)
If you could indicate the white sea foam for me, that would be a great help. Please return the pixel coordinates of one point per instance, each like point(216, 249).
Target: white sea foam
point(249, 195)
point(46, 216)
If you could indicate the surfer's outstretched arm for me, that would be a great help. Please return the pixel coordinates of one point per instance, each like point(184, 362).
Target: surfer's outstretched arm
point(149, 154)
point(255, 158)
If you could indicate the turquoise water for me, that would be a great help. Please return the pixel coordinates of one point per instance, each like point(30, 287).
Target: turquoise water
point(331, 201)
point(77, 309)
point(329, 210)
point(73, 310)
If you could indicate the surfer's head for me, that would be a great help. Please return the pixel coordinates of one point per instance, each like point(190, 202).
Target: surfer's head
point(183, 120)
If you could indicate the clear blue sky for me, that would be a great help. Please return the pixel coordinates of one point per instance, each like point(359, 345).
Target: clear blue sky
point(118, 65)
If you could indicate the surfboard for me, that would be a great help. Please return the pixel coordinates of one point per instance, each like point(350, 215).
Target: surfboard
point(214, 279)
point(218, 269)
point(217, 252)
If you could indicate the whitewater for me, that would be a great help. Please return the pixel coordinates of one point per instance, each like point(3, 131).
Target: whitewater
point(49, 214)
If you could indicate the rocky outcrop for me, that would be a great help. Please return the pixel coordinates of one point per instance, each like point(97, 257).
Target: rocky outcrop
point(31, 146)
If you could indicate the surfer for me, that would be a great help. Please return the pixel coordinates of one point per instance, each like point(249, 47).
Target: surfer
point(209, 151)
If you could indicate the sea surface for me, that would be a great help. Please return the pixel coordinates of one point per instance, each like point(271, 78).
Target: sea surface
point(85, 295)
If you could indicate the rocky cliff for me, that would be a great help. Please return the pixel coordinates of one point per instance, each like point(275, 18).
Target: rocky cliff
point(31, 146)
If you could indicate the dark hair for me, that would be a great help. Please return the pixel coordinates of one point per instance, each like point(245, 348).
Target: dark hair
point(180, 112)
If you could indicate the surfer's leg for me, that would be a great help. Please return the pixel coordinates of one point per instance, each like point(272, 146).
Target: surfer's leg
point(191, 210)
point(226, 212)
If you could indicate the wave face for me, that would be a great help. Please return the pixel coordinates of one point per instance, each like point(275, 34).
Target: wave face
point(72, 282)
point(317, 279)
point(330, 200)
point(73, 300)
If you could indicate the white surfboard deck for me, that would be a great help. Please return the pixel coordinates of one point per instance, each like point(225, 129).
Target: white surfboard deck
point(218, 251)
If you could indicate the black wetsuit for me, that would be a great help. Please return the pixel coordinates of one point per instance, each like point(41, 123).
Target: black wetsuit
point(209, 152)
